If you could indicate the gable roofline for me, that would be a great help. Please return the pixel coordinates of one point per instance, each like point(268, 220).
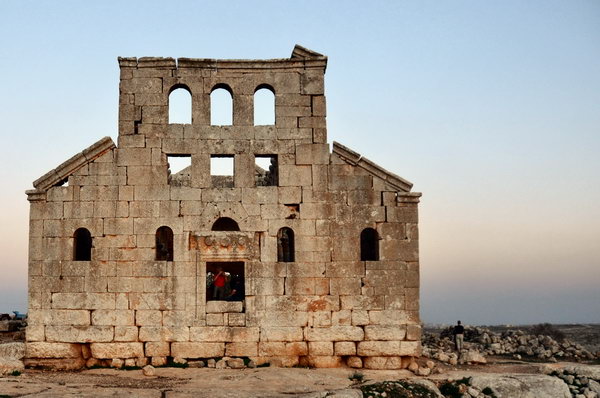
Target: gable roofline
point(67, 168)
point(356, 159)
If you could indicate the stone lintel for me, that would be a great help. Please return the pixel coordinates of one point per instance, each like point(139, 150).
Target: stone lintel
point(224, 245)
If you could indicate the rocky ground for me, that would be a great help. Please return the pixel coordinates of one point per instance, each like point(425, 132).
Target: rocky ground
point(586, 335)
point(495, 363)
point(511, 380)
point(547, 343)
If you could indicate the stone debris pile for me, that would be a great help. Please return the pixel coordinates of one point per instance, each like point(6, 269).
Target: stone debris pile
point(422, 370)
point(465, 388)
point(12, 325)
point(582, 382)
point(480, 342)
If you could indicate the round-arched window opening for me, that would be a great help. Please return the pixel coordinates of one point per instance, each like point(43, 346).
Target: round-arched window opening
point(164, 244)
point(180, 105)
point(82, 245)
point(221, 106)
point(264, 106)
point(285, 245)
point(225, 224)
point(369, 245)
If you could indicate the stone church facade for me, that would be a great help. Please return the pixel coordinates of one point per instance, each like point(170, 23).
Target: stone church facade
point(316, 253)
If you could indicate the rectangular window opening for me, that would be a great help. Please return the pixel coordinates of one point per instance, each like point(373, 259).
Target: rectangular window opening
point(180, 170)
point(229, 285)
point(221, 170)
point(266, 170)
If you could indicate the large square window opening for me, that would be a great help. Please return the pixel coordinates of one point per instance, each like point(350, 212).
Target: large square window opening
point(266, 170)
point(225, 281)
point(221, 171)
point(180, 170)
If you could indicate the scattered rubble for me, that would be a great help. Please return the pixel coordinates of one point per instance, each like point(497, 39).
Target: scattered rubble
point(196, 364)
point(582, 382)
point(465, 388)
point(481, 342)
point(12, 325)
point(148, 370)
point(12, 330)
point(399, 388)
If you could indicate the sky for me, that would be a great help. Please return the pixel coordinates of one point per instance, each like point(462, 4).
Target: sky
point(491, 109)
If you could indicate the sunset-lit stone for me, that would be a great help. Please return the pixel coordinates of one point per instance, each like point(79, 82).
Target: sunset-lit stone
point(196, 240)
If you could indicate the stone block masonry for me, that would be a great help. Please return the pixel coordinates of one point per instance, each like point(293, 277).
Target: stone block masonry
point(310, 258)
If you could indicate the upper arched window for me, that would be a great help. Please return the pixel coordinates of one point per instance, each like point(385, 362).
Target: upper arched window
point(82, 245)
point(264, 105)
point(180, 105)
point(369, 245)
point(221, 106)
point(285, 245)
point(225, 224)
point(164, 244)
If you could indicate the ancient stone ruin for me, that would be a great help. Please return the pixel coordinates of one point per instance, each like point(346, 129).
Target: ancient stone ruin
point(317, 249)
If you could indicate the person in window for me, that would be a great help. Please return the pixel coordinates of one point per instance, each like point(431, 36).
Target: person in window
point(219, 284)
point(237, 289)
point(162, 251)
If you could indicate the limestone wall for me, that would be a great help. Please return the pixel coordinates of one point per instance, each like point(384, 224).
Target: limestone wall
point(327, 308)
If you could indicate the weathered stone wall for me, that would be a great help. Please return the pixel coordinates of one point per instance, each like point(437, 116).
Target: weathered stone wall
point(326, 308)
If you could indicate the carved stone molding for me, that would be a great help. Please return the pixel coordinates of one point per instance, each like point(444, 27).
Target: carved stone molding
point(224, 245)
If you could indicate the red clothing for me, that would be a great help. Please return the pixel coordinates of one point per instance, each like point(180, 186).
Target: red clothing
point(219, 280)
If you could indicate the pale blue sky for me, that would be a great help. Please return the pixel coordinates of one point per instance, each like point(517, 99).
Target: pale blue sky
point(492, 110)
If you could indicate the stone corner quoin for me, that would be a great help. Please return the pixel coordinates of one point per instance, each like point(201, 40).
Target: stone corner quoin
point(317, 249)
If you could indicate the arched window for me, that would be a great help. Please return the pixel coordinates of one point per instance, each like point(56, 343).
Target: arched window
point(82, 245)
point(264, 105)
point(285, 245)
point(180, 105)
point(221, 106)
point(164, 244)
point(225, 224)
point(369, 245)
